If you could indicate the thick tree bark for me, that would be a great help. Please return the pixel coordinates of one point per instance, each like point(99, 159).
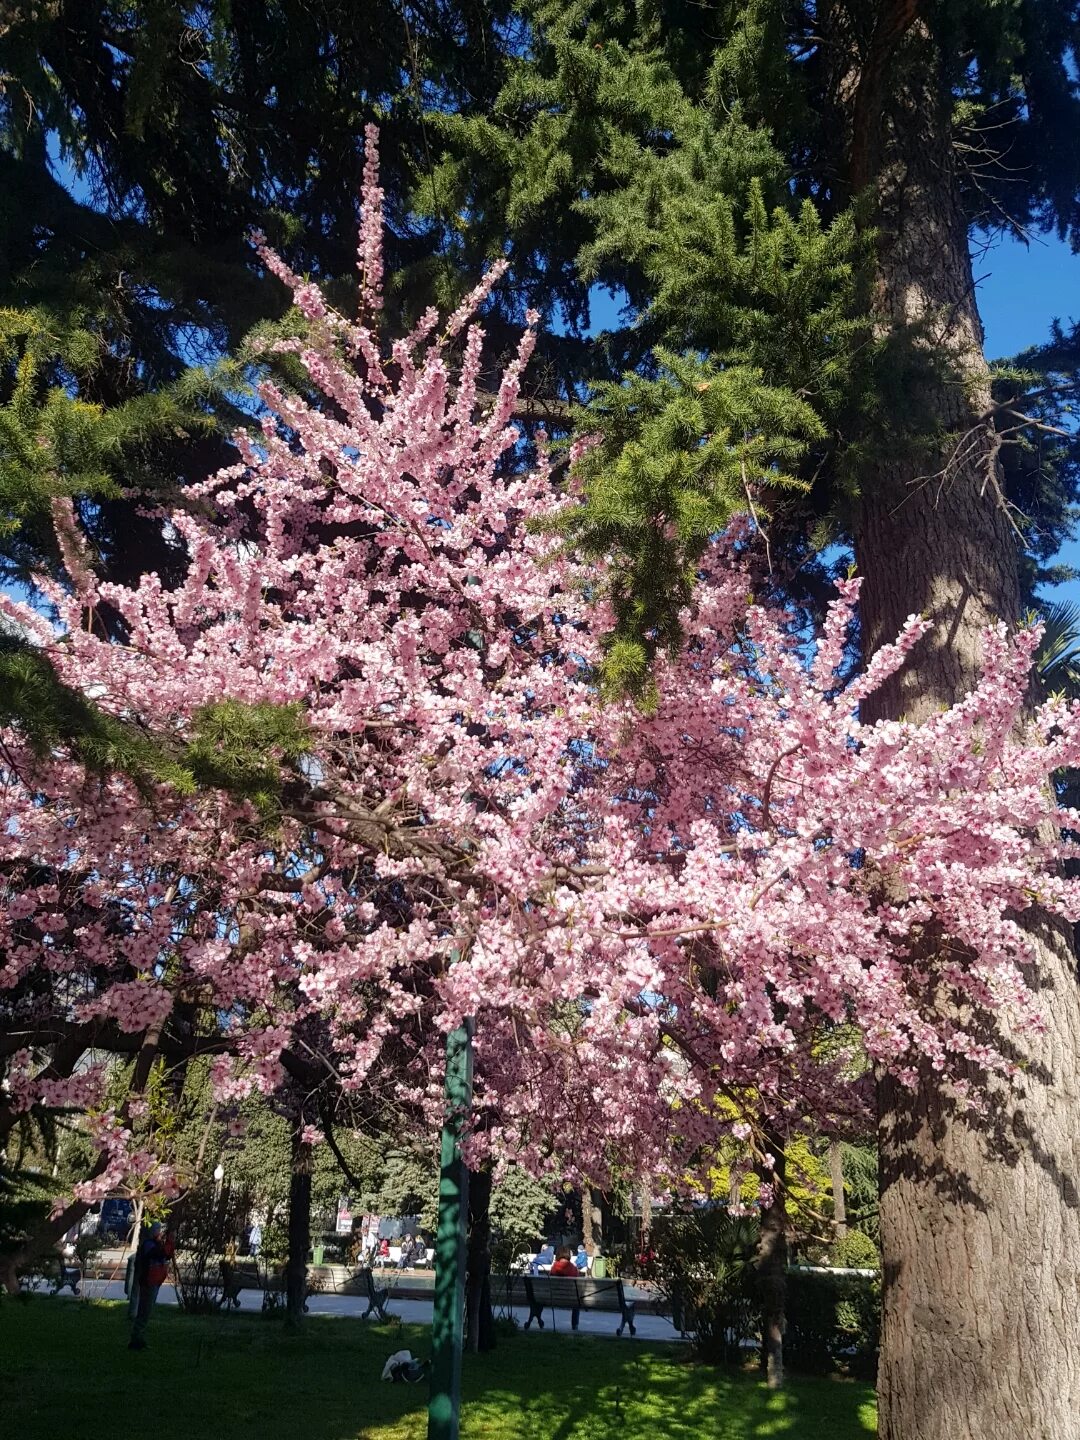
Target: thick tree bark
point(299, 1231)
point(836, 1178)
point(980, 1220)
point(479, 1317)
point(592, 1221)
point(588, 1237)
point(772, 1260)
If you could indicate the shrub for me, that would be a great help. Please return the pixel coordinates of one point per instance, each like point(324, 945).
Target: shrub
point(856, 1251)
point(704, 1266)
point(833, 1320)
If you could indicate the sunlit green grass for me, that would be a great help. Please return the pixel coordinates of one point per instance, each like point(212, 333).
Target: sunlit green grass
point(66, 1374)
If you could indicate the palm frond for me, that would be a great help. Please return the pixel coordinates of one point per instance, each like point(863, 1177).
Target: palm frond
point(1058, 656)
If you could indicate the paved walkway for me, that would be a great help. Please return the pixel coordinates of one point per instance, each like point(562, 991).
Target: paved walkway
point(416, 1312)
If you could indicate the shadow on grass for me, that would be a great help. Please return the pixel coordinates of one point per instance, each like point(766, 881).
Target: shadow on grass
point(65, 1374)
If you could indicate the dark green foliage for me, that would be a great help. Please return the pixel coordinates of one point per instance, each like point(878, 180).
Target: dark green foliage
point(856, 1251)
point(139, 145)
point(627, 150)
point(235, 747)
point(42, 1156)
point(52, 715)
point(241, 748)
point(405, 1182)
point(860, 1165)
point(694, 161)
point(679, 453)
point(705, 1267)
point(1036, 404)
point(26, 1197)
point(1058, 657)
point(55, 441)
point(520, 1207)
point(833, 1321)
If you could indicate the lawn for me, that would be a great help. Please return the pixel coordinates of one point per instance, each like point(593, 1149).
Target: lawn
point(66, 1374)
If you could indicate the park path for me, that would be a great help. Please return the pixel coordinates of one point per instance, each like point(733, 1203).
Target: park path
point(415, 1312)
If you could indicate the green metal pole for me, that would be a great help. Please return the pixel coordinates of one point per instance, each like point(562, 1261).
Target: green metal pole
point(447, 1330)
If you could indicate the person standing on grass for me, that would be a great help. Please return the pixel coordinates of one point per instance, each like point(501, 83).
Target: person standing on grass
point(151, 1271)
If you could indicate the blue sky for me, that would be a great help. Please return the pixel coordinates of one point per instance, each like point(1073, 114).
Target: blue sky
point(1021, 288)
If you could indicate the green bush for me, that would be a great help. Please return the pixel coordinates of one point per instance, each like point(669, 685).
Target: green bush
point(704, 1266)
point(856, 1251)
point(833, 1321)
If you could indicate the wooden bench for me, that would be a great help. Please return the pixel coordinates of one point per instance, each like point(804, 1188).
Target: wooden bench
point(54, 1271)
point(564, 1292)
point(240, 1276)
point(235, 1278)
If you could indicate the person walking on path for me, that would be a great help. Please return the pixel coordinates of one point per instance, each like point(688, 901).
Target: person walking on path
point(151, 1271)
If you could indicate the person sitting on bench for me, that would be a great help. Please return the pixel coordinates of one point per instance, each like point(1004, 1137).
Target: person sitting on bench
point(564, 1264)
point(544, 1260)
point(412, 1252)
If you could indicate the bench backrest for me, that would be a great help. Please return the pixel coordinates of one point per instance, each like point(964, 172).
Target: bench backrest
point(243, 1274)
point(566, 1293)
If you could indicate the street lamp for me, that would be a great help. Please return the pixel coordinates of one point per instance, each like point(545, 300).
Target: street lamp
point(444, 1407)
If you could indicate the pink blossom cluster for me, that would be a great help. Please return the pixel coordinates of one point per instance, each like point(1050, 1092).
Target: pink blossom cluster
point(128, 1165)
point(651, 918)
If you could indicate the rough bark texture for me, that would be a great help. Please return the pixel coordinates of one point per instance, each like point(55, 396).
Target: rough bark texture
point(980, 1221)
point(772, 1260)
point(836, 1178)
point(299, 1231)
point(588, 1237)
point(592, 1220)
point(479, 1317)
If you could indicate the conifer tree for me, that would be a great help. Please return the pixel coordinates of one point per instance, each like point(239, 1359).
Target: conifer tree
point(139, 145)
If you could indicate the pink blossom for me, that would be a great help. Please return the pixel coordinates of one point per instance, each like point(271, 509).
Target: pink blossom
point(644, 914)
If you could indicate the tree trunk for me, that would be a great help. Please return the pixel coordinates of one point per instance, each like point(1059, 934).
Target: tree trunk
point(299, 1231)
point(479, 1317)
point(980, 1220)
point(836, 1177)
point(41, 1240)
point(771, 1264)
point(734, 1197)
point(592, 1221)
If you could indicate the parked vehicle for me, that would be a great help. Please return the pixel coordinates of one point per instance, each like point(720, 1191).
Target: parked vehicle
point(110, 1220)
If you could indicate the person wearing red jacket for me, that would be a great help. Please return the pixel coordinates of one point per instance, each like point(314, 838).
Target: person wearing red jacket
point(151, 1271)
point(564, 1264)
